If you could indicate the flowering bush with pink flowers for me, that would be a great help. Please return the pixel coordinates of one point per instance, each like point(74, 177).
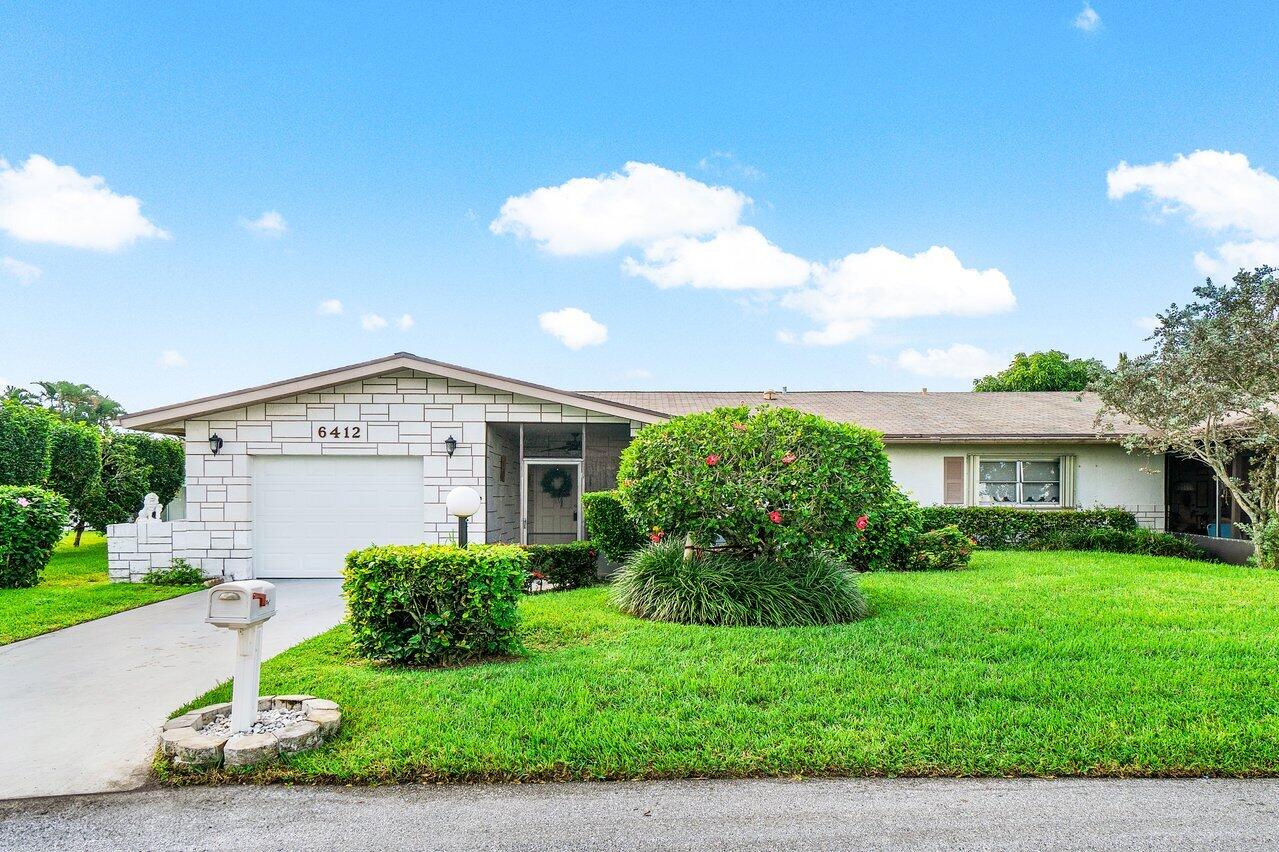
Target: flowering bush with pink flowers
point(32, 521)
point(769, 482)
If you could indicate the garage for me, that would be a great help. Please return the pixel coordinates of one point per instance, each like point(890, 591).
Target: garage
point(310, 511)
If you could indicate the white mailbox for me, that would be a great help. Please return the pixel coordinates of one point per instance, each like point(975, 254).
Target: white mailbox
point(239, 605)
point(243, 607)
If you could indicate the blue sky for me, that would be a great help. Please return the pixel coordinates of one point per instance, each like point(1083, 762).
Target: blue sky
point(388, 138)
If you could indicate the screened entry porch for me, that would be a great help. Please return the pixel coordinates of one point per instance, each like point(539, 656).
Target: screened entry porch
point(536, 474)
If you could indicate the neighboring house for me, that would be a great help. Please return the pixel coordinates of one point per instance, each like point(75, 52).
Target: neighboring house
point(286, 478)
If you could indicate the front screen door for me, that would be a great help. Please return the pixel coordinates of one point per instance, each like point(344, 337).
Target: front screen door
point(552, 502)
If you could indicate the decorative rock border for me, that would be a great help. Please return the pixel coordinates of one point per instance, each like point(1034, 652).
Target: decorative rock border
point(186, 743)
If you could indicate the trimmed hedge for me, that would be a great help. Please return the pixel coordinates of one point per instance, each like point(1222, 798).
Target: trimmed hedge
point(769, 482)
point(566, 566)
point(945, 549)
point(1003, 528)
point(1147, 542)
point(608, 527)
point(24, 443)
point(435, 604)
point(31, 523)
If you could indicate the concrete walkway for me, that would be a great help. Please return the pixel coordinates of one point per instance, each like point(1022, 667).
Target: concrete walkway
point(764, 814)
point(80, 709)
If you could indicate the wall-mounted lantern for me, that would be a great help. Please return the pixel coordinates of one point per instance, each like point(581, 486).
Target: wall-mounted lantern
point(450, 445)
point(215, 443)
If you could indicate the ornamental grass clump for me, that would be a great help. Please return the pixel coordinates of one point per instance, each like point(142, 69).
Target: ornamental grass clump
point(663, 583)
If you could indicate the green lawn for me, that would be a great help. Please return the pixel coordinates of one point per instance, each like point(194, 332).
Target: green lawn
point(1025, 664)
point(74, 588)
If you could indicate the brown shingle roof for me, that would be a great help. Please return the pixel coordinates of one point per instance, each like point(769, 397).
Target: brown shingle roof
point(906, 416)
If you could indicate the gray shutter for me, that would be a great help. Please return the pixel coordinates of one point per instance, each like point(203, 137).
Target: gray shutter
point(952, 493)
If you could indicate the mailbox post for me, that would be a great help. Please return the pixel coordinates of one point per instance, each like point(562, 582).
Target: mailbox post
point(243, 607)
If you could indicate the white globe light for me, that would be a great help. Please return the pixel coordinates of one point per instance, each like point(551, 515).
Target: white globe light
point(463, 502)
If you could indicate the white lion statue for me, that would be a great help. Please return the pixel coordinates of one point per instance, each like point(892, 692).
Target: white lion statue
point(152, 509)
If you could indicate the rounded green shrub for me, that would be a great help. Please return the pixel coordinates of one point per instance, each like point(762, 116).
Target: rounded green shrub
point(769, 482)
point(32, 521)
point(609, 527)
point(945, 549)
point(435, 604)
point(726, 590)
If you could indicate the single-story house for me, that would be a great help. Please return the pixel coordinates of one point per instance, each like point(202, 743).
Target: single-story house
point(284, 479)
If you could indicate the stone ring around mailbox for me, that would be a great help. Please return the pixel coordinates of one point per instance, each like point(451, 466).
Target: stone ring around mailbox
point(250, 729)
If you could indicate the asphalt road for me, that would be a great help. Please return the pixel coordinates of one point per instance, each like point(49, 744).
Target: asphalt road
point(763, 814)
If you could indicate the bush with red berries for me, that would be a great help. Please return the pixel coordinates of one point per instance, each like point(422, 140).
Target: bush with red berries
point(769, 482)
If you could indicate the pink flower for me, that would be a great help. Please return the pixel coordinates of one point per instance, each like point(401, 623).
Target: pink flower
point(712, 460)
point(862, 522)
point(24, 502)
point(655, 537)
point(775, 516)
point(789, 458)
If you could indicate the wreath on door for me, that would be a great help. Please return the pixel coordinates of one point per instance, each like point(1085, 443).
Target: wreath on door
point(557, 482)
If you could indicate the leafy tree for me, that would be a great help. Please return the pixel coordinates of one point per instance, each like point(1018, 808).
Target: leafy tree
point(24, 444)
point(75, 467)
point(78, 402)
point(1044, 371)
point(117, 495)
point(22, 396)
point(166, 459)
point(1209, 391)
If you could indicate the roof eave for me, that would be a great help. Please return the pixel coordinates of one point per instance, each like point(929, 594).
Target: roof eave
point(172, 418)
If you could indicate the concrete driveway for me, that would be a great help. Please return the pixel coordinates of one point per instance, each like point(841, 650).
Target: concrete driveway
point(80, 709)
point(874, 813)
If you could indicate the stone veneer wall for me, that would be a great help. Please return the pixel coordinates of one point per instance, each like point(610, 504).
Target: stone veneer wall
point(401, 413)
point(502, 502)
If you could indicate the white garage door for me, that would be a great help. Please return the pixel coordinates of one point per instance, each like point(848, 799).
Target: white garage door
point(310, 511)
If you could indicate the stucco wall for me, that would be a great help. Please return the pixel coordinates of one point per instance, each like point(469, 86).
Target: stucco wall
point(1106, 475)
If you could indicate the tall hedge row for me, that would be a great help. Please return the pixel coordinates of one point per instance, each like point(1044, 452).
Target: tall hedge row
point(24, 444)
point(1004, 528)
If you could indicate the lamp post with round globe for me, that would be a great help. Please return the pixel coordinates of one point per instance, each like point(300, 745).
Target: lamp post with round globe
point(462, 502)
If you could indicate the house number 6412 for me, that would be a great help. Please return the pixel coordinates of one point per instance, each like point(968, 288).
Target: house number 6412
point(338, 432)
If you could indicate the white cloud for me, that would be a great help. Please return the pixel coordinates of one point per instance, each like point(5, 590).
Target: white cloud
point(1216, 190)
point(727, 163)
point(883, 284)
point(640, 205)
point(638, 374)
point(329, 307)
point(1147, 324)
point(690, 234)
point(372, 322)
point(1087, 20)
point(405, 322)
point(960, 361)
point(738, 258)
point(42, 202)
point(172, 358)
point(1231, 257)
point(25, 273)
point(573, 327)
point(270, 224)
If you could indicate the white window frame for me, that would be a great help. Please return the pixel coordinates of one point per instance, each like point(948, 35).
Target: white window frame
point(1020, 502)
